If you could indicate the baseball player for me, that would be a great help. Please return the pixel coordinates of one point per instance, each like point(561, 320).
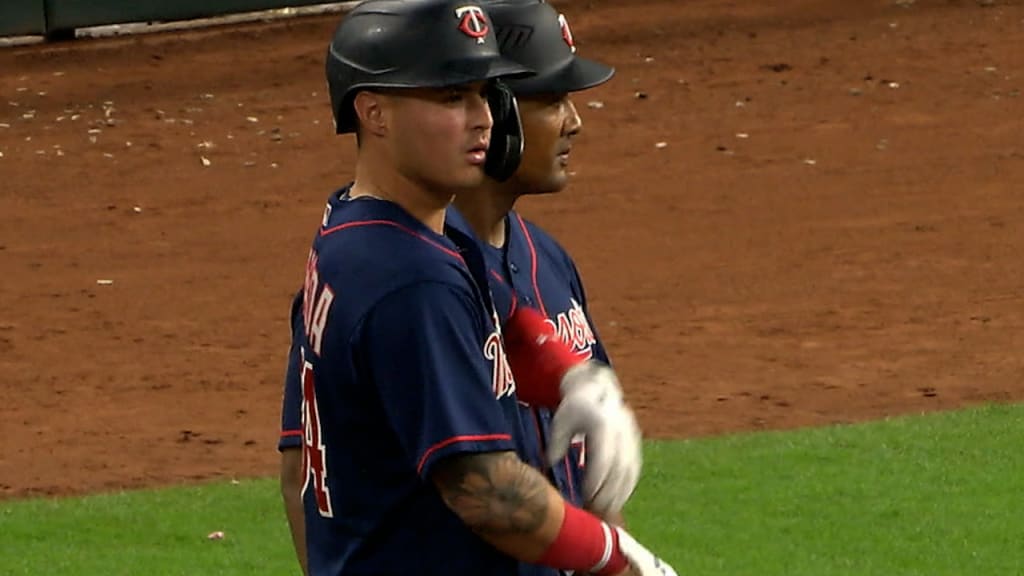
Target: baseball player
point(529, 269)
point(415, 446)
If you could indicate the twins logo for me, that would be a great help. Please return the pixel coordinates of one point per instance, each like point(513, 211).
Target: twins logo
point(501, 376)
point(473, 22)
point(574, 330)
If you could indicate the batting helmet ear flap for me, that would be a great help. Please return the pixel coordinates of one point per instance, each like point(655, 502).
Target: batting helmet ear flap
point(506, 149)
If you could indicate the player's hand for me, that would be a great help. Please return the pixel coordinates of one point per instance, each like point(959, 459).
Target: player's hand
point(642, 562)
point(592, 405)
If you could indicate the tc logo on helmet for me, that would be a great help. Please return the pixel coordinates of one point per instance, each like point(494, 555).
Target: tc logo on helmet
point(473, 22)
point(566, 32)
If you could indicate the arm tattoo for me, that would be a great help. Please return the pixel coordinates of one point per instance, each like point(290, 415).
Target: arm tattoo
point(494, 493)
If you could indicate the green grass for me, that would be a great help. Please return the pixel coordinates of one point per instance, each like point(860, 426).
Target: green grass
point(150, 533)
point(935, 495)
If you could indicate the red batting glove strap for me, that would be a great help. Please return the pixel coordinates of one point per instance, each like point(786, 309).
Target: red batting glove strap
point(537, 357)
point(585, 544)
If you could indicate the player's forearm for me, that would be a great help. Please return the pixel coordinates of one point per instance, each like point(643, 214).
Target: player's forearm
point(291, 493)
point(505, 501)
point(514, 508)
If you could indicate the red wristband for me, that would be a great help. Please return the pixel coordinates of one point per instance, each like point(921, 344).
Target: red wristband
point(585, 544)
point(537, 357)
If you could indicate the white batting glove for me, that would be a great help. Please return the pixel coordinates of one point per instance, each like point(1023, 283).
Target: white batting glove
point(592, 405)
point(641, 560)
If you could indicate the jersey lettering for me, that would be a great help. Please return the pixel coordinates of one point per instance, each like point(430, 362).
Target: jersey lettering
point(501, 372)
point(315, 316)
point(314, 455)
point(309, 288)
point(579, 442)
point(327, 215)
point(574, 330)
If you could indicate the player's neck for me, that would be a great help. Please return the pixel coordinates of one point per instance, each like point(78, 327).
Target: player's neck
point(383, 182)
point(485, 211)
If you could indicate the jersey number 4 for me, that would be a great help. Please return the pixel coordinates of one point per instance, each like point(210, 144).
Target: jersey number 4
point(314, 458)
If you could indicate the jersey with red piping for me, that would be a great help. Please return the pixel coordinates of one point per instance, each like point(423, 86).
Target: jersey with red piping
point(532, 269)
point(401, 365)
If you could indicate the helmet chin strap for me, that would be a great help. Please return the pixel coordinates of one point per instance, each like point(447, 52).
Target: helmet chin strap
point(506, 148)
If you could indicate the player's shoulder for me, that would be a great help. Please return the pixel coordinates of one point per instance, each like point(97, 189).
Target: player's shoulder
point(543, 242)
point(454, 220)
point(377, 241)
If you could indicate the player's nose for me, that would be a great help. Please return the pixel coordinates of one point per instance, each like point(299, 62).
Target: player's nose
point(480, 113)
point(573, 121)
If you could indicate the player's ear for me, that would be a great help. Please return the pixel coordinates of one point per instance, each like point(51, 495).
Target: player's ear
point(370, 112)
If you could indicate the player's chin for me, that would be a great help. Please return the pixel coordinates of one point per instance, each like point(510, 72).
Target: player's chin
point(469, 176)
point(558, 177)
point(553, 184)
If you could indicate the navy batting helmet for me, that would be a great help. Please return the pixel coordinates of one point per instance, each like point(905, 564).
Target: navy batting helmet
point(410, 44)
point(535, 35)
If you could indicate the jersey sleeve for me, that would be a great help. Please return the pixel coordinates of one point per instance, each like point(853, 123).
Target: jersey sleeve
point(291, 403)
point(425, 349)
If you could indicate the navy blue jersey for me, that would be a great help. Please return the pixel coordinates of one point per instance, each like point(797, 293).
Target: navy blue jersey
point(550, 283)
point(402, 365)
point(532, 269)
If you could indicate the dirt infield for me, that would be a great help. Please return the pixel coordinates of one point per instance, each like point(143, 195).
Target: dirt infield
point(828, 233)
